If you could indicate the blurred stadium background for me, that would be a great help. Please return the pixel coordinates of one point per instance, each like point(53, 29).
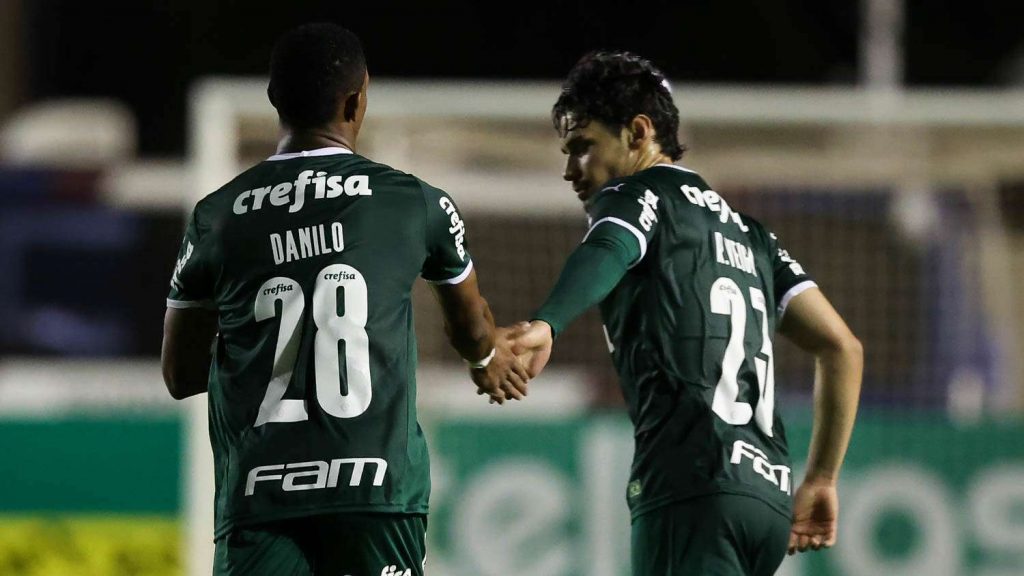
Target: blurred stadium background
point(882, 140)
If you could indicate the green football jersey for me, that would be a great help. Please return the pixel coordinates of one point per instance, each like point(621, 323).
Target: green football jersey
point(690, 327)
point(309, 260)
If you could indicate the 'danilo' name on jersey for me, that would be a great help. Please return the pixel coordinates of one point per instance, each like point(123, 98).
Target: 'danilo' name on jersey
point(309, 260)
point(690, 327)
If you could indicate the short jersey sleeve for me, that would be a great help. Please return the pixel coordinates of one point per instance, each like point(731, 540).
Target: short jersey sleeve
point(790, 277)
point(628, 204)
point(448, 260)
point(191, 282)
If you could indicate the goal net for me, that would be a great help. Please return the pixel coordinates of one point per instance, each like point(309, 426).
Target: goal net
point(907, 208)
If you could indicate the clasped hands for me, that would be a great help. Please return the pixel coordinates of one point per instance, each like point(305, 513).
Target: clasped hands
point(520, 353)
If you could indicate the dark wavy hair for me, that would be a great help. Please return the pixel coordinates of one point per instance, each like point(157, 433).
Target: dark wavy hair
point(312, 67)
point(613, 87)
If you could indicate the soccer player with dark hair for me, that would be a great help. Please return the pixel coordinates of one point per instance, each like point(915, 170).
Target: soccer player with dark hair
point(299, 271)
point(691, 293)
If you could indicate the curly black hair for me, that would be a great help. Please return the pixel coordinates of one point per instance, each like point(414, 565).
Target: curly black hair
point(312, 67)
point(613, 87)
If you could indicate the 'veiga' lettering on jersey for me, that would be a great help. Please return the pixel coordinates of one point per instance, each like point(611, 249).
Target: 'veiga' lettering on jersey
point(712, 201)
point(735, 254)
point(293, 194)
point(648, 216)
point(458, 228)
point(315, 475)
point(776, 474)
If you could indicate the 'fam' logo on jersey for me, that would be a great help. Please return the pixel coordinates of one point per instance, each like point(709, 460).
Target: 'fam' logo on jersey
point(458, 228)
point(315, 475)
point(649, 215)
point(776, 474)
point(395, 571)
point(180, 264)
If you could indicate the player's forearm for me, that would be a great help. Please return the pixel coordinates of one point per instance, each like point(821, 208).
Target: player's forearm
point(181, 388)
point(471, 331)
point(187, 374)
point(187, 350)
point(838, 372)
point(590, 273)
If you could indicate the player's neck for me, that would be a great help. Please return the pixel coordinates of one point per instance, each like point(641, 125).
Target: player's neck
point(312, 139)
point(647, 158)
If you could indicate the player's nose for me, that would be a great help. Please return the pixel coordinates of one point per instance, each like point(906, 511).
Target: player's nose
point(571, 173)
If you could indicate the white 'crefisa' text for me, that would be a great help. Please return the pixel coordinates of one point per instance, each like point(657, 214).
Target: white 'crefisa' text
point(293, 194)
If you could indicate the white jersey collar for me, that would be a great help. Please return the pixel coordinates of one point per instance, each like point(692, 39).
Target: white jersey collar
point(307, 153)
point(677, 167)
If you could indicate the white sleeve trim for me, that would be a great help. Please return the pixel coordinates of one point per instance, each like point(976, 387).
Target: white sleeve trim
point(458, 279)
point(793, 293)
point(639, 235)
point(182, 304)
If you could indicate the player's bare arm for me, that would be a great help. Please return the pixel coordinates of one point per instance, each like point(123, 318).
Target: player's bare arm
point(470, 327)
point(186, 352)
point(813, 324)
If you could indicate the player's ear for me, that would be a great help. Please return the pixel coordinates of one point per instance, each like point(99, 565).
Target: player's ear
point(350, 106)
point(641, 130)
point(356, 101)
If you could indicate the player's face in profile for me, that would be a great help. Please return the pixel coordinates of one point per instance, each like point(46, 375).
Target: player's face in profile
point(595, 154)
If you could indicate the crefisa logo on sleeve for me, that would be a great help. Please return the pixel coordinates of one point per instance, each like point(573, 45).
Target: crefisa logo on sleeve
point(458, 229)
point(180, 264)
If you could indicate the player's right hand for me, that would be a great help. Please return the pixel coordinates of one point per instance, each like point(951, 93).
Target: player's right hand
point(815, 516)
point(505, 377)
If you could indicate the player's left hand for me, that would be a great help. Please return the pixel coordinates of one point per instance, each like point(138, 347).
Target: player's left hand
point(815, 516)
point(532, 343)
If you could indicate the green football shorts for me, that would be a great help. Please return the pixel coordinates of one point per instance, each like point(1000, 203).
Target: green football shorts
point(326, 545)
point(719, 535)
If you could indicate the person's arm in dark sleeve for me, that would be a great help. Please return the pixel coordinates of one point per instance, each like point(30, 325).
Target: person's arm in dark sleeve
point(590, 274)
point(190, 323)
point(625, 220)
